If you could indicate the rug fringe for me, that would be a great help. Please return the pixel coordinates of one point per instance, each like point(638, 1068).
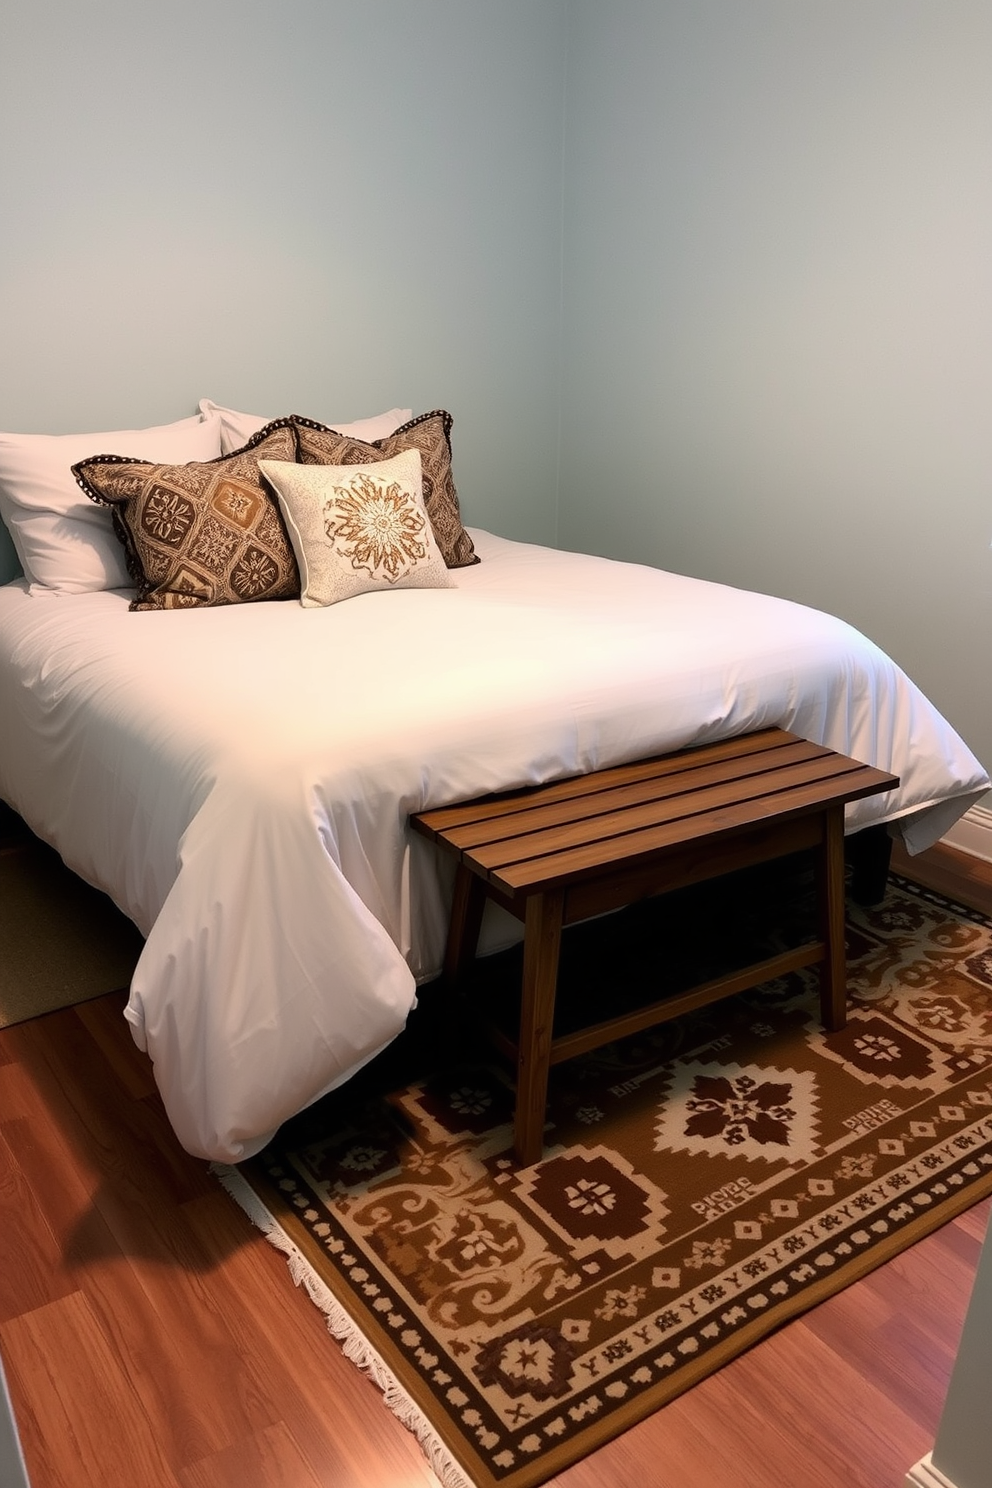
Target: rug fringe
point(355, 1346)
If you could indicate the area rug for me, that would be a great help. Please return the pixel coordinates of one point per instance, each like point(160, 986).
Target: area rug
point(700, 1185)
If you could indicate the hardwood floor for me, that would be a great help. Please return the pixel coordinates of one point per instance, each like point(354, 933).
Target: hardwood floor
point(960, 875)
point(153, 1339)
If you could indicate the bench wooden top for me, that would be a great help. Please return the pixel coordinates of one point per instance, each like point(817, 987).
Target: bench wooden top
point(531, 840)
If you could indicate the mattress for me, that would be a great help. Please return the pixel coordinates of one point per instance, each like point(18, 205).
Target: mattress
point(239, 779)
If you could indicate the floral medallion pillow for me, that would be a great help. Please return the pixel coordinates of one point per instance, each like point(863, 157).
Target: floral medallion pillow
point(355, 528)
point(431, 435)
point(206, 533)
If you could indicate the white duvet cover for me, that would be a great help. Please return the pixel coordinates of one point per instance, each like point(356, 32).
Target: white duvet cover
point(239, 779)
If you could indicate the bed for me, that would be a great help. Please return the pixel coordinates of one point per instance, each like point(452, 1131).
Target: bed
point(239, 777)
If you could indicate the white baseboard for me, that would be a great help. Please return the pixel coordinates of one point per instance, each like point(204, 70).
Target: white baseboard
point(972, 833)
point(925, 1475)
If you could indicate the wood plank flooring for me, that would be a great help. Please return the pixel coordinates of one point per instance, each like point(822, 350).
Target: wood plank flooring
point(153, 1339)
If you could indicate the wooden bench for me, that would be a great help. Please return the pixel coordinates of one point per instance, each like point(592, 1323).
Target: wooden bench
point(560, 853)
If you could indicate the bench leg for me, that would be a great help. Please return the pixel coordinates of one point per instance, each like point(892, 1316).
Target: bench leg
point(833, 969)
point(542, 942)
point(464, 926)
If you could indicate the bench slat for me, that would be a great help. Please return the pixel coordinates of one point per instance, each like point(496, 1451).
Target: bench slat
point(590, 858)
point(556, 854)
point(536, 814)
point(441, 819)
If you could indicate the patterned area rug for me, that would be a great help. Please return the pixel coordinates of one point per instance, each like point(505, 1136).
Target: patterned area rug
point(700, 1185)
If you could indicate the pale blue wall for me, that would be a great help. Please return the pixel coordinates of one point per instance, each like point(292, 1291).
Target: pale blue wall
point(772, 357)
point(778, 311)
point(289, 205)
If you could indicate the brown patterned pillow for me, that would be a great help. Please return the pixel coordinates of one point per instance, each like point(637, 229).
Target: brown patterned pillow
point(207, 533)
point(431, 435)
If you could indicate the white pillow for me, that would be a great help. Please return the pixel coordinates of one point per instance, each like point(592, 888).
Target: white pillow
point(237, 428)
point(65, 541)
point(355, 528)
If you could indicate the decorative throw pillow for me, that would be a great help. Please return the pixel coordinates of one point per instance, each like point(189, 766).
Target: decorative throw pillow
point(237, 428)
point(63, 541)
point(355, 528)
point(200, 534)
point(430, 433)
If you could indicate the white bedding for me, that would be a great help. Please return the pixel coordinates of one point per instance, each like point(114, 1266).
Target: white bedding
point(239, 779)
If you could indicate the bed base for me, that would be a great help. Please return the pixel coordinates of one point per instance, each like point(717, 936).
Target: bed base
point(869, 854)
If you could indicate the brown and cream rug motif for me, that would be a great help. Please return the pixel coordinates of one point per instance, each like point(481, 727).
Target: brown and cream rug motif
point(700, 1186)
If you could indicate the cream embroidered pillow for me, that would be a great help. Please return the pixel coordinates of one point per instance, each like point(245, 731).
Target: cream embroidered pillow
point(358, 527)
point(431, 434)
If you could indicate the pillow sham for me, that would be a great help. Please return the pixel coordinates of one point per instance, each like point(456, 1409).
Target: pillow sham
point(237, 428)
point(63, 541)
point(357, 528)
point(431, 435)
point(202, 533)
